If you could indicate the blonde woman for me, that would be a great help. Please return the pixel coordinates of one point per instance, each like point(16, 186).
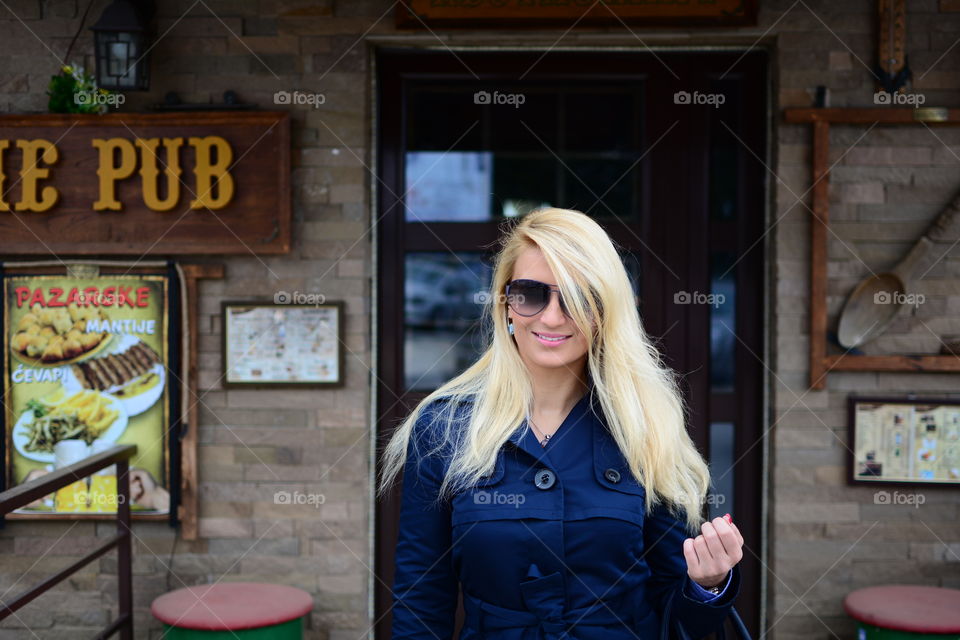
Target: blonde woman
point(554, 479)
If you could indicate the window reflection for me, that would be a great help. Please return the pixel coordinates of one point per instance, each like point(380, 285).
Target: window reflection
point(723, 286)
point(451, 185)
point(444, 297)
point(720, 497)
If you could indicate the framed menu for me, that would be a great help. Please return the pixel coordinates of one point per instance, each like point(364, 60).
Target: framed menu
point(282, 345)
point(904, 441)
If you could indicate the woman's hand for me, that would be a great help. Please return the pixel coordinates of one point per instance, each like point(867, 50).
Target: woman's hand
point(714, 552)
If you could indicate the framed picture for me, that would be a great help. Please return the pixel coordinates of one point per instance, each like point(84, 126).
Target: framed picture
point(91, 360)
point(282, 345)
point(904, 441)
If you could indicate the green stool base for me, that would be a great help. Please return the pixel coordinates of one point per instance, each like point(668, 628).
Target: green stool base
point(869, 632)
point(290, 630)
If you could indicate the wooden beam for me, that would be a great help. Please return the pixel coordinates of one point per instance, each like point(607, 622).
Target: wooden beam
point(189, 480)
point(818, 253)
point(929, 363)
point(871, 115)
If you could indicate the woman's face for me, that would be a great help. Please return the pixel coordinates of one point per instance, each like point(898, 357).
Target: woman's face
point(551, 322)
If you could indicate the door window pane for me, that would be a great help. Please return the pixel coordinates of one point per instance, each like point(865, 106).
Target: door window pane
point(601, 120)
point(720, 497)
point(448, 186)
point(725, 150)
point(477, 153)
point(723, 327)
point(444, 297)
point(601, 187)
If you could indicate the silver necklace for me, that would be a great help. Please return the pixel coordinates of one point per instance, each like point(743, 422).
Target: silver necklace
point(546, 438)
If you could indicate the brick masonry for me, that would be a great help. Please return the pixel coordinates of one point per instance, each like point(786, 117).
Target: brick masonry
point(825, 539)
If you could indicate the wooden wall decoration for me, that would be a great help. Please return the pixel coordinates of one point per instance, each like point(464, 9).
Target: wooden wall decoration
point(472, 14)
point(822, 362)
point(892, 70)
point(145, 184)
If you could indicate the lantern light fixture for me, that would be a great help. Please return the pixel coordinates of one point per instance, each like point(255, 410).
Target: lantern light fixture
point(121, 45)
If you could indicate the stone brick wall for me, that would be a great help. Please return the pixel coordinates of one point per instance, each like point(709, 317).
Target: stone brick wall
point(825, 538)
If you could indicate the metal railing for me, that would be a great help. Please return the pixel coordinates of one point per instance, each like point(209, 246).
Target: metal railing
point(36, 489)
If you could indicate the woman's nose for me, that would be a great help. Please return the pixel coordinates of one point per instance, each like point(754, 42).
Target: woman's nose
point(553, 315)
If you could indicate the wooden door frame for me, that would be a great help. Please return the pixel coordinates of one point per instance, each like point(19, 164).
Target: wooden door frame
point(391, 68)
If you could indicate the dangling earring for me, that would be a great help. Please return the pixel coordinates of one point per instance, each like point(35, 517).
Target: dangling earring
point(510, 326)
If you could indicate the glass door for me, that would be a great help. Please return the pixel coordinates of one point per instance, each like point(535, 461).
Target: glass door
point(468, 144)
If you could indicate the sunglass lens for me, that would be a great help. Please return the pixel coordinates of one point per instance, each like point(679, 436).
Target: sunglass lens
point(528, 298)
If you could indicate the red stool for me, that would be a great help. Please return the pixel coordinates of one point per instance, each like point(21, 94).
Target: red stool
point(901, 611)
point(244, 610)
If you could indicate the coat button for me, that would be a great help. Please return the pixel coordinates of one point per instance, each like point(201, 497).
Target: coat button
point(612, 475)
point(544, 479)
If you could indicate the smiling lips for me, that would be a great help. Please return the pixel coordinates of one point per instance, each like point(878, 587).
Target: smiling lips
point(551, 339)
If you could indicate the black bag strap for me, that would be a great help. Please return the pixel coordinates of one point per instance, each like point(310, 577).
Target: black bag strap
point(739, 628)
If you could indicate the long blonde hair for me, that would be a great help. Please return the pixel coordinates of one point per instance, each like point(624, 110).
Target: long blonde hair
point(638, 394)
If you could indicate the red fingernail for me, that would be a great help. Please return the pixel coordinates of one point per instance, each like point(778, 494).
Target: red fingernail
point(728, 518)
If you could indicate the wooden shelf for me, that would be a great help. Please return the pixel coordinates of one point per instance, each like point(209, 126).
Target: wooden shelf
point(821, 362)
point(871, 115)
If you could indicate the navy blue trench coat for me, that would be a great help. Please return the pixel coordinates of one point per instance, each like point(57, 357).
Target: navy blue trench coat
point(555, 544)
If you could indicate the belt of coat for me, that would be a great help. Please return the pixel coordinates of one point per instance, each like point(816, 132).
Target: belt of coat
point(544, 599)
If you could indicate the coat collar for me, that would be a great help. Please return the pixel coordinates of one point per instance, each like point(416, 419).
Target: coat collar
point(606, 454)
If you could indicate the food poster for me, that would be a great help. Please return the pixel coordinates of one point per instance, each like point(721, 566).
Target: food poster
point(87, 369)
point(907, 442)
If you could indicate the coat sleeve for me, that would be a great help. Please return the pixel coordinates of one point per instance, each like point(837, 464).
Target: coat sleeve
point(698, 592)
point(663, 536)
point(424, 586)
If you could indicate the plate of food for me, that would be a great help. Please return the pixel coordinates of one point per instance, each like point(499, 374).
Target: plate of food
point(56, 336)
point(130, 370)
point(63, 415)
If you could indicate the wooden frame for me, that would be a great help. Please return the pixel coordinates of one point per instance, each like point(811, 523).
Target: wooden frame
point(822, 362)
point(188, 509)
point(680, 241)
point(338, 310)
point(426, 14)
point(852, 402)
point(189, 481)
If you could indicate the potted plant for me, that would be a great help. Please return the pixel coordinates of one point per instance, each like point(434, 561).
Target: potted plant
point(75, 91)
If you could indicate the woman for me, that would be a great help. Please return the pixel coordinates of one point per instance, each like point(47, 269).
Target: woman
point(554, 478)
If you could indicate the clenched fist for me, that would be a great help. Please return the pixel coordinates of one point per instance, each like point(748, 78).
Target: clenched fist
point(712, 554)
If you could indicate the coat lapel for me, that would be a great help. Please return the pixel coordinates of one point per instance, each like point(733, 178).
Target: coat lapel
point(524, 439)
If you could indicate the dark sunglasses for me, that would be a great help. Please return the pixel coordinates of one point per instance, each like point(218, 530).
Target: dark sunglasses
point(530, 297)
